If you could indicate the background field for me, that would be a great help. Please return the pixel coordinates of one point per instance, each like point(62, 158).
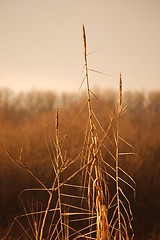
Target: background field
point(29, 119)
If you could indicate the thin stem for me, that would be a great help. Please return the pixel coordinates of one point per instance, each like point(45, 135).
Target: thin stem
point(57, 173)
point(58, 154)
point(117, 157)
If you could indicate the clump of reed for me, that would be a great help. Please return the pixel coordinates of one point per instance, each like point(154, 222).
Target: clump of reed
point(86, 199)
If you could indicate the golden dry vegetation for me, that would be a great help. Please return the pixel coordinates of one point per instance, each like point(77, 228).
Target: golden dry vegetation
point(81, 171)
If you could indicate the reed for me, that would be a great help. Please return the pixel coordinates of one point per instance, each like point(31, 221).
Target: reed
point(86, 199)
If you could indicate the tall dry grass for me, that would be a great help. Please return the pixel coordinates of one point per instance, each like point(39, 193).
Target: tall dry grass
point(86, 199)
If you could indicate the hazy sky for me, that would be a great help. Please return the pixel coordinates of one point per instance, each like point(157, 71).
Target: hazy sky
point(41, 43)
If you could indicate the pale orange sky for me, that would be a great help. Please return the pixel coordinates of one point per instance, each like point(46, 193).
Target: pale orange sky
point(41, 43)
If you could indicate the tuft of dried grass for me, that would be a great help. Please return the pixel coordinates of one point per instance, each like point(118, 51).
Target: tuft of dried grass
point(86, 199)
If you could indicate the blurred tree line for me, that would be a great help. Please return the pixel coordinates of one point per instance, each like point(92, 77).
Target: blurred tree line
point(28, 120)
